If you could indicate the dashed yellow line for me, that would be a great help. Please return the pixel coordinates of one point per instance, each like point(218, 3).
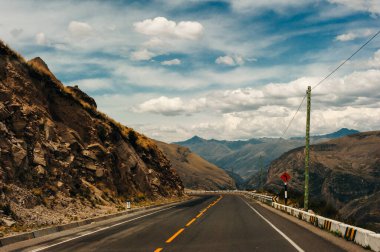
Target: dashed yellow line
point(190, 222)
point(175, 235)
point(199, 215)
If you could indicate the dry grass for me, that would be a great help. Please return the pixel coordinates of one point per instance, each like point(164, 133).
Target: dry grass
point(12, 52)
point(139, 140)
point(40, 69)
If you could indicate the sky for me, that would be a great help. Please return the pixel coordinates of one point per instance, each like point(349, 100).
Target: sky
point(232, 69)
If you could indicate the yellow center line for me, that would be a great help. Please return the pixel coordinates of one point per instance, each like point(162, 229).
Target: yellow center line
point(190, 222)
point(175, 235)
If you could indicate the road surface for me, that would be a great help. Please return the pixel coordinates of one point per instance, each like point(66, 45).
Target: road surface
point(210, 223)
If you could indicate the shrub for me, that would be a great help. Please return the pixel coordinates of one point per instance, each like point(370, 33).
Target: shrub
point(7, 209)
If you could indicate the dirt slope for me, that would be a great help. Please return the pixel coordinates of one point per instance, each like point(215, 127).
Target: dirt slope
point(195, 172)
point(344, 177)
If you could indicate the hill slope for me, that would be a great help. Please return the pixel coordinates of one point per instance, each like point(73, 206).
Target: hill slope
point(195, 172)
point(61, 158)
point(344, 175)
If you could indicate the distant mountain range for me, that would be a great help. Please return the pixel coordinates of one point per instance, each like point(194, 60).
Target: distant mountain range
point(243, 157)
point(340, 133)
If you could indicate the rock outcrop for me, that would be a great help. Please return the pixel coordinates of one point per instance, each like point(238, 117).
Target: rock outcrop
point(58, 152)
point(344, 177)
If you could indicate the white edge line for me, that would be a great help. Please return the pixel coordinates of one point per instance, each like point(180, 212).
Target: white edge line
point(275, 228)
point(120, 223)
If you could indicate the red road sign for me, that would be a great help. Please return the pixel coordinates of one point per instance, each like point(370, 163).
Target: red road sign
point(285, 177)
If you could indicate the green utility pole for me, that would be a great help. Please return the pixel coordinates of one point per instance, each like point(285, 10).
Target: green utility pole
point(306, 196)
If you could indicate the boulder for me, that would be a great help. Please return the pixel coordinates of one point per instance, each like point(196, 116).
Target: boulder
point(4, 113)
point(90, 166)
point(39, 155)
point(8, 222)
point(98, 150)
point(99, 172)
point(19, 154)
point(40, 170)
point(89, 154)
point(19, 121)
point(49, 130)
point(3, 128)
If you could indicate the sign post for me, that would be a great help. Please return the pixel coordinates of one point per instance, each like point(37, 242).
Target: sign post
point(285, 177)
point(128, 205)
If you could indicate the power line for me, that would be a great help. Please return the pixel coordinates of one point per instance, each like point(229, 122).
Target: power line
point(344, 62)
point(319, 83)
point(331, 73)
point(298, 109)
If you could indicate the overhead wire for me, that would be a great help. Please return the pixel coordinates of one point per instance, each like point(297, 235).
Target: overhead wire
point(344, 62)
point(327, 76)
point(319, 83)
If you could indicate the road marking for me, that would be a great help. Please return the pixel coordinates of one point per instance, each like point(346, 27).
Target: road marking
point(275, 228)
point(199, 215)
point(86, 234)
point(175, 235)
point(190, 222)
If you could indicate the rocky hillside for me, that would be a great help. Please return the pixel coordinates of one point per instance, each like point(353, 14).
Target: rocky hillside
point(344, 177)
point(61, 156)
point(194, 171)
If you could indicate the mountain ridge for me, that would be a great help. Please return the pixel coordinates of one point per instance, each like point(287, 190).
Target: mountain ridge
point(243, 156)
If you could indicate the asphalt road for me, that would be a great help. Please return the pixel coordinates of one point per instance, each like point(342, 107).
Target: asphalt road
point(211, 223)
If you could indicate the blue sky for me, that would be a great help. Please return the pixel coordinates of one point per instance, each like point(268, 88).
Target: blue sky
point(233, 69)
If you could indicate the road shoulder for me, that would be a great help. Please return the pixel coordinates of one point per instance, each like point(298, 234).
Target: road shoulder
point(93, 226)
point(339, 242)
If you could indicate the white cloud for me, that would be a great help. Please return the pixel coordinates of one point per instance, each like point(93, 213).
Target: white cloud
point(230, 60)
point(358, 89)
point(375, 61)
point(79, 29)
point(225, 60)
point(155, 43)
point(346, 37)
point(371, 6)
point(16, 32)
point(41, 38)
point(162, 27)
point(171, 62)
point(143, 54)
point(167, 106)
point(354, 35)
point(150, 76)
